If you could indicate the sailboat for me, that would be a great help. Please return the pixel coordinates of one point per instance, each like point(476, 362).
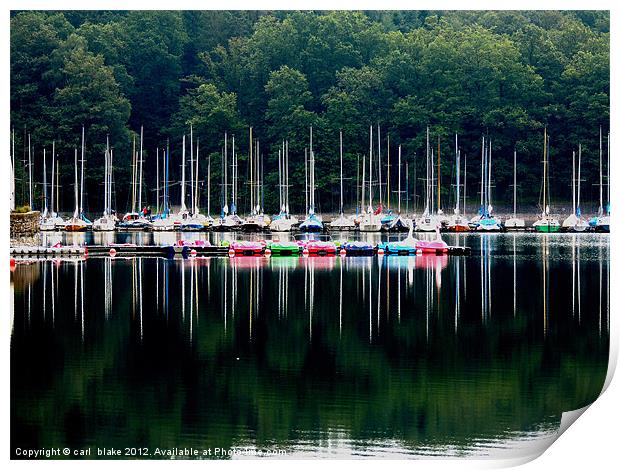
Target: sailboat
point(458, 223)
point(195, 222)
point(46, 222)
point(600, 223)
point(78, 223)
point(230, 221)
point(546, 223)
point(486, 221)
point(284, 221)
point(429, 221)
point(136, 220)
point(257, 220)
point(574, 223)
point(313, 222)
point(75, 223)
point(342, 222)
point(399, 223)
point(371, 221)
point(107, 222)
point(163, 221)
point(515, 223)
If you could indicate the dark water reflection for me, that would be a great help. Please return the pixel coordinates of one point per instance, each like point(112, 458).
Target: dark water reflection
point(316, 356)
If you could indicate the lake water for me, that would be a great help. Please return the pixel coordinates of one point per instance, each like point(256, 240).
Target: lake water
point(316, 357)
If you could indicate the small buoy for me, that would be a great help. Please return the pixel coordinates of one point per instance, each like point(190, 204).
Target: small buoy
point(231, 252)
point(12, 264)
point(193, 252)
point(85, 250)
point(343, 252)
point(380, 251)
point(418, 251)
point(305, 252)
point(112, 252)
point(267, 252)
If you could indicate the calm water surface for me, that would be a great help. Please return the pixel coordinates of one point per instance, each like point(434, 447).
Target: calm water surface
point(392, 356)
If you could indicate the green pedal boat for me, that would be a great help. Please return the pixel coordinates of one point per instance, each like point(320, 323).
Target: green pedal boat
point(284, 248)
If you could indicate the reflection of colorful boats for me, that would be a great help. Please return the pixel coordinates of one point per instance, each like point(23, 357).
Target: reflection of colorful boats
point(247, 248)
point(284, 248)
point(358, 248)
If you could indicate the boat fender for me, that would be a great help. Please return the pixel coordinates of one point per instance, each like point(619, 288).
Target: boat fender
point(380, 252)
point(267, 252)
point(343, 252)
point(231, 252)
point(305, 252)
point(112, 252)
point(193, 252)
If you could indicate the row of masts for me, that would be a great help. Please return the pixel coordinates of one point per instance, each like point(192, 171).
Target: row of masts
point(256, 178)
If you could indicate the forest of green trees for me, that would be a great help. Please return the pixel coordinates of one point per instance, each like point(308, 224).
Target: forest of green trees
point(505, 74)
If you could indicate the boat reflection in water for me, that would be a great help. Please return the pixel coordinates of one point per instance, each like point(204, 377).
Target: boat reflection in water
point(318, 356)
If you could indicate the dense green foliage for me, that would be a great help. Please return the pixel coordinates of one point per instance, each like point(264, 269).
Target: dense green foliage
point(507, 74)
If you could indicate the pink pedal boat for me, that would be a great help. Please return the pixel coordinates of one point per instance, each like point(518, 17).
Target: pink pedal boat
point(247, 248)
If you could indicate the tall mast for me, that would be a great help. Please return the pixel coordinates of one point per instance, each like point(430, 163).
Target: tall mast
point(311, 174)
point(140, 172)
point(157, 177)
point(370, 175)
point(407, 184)
point(578, 211)
point(306, 176)
point(545, 173)
point(191, 168)
point(458, 174)
point(53, 175)
point(514, 183)
point(489, 206)
point(13, 170)
point(432, 182)
point(76, 213)
point(379, 163)
point(438, 173)
point(600, 161)
point(286, 179)
point(196, 193)
point(574, 202)
point(389, 169)
point(286, 207)
point(133, 175)
point(482, 176)
point(235, 178)
point(428, 174)
point(280, 178)
point(82, 178)
point(44, 186)
point(209, 184)
point(399, 177)
point(183, 207)
point(251, 173)
point(465, 185)
point(608, 178)
point(363, 184)
point(341, 185)
point(29, 174)
point(107, 185)
point(166, 190)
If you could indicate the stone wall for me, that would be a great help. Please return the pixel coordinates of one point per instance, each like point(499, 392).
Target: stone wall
point(24, 225)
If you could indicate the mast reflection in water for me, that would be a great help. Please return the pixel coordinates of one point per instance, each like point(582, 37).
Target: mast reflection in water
point(427, 355)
